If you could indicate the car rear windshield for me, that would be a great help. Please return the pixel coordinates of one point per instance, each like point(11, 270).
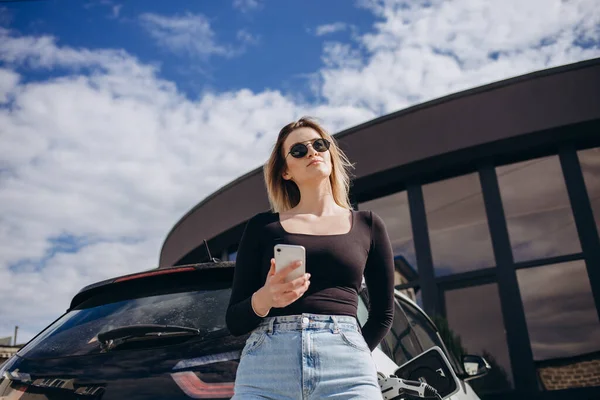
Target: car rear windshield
point(75, 333)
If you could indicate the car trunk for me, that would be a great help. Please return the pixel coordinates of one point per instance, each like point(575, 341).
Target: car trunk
point(67, 361)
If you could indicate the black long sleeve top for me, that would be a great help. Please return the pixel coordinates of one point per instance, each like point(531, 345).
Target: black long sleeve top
point(336, 263)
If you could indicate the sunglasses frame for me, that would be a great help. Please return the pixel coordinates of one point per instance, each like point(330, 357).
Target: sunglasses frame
point(326, 143)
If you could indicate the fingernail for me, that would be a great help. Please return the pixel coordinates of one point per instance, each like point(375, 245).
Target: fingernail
point(307, 276)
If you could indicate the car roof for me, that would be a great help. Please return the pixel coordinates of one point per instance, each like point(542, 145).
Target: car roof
point(97, 286)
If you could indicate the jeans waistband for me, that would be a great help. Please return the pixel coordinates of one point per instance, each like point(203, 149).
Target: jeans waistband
point(308, 321)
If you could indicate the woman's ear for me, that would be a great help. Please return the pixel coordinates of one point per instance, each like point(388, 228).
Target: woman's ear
point(286, 176)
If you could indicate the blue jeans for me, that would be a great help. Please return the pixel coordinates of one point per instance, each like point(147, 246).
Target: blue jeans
point(306, 357)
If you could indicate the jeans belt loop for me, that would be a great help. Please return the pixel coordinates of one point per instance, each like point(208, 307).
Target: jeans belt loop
point(271, 325)
point(336, 328)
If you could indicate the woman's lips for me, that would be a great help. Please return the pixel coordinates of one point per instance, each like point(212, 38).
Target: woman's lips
point(314, 162)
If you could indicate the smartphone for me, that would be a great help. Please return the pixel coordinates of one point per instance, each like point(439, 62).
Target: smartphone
point(288, 253)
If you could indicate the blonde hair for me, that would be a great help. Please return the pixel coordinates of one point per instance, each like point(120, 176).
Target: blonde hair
point(285, 194)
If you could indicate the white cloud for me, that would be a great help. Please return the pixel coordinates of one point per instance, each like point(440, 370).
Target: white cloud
point(42, 52)
point(423, 50)
point(8, 82)
point(116, 10)
point(330, 28)
point(247, 38)
point(109, 155)
point(189, 34)
point(246, 6)
point(341, 55)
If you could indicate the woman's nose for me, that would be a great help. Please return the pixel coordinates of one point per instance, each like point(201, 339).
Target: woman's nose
point(311, 149)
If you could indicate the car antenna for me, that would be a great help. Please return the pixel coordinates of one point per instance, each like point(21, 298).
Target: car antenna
point(208, 252)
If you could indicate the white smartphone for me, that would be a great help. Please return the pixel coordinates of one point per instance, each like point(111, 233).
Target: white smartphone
point(288, 253)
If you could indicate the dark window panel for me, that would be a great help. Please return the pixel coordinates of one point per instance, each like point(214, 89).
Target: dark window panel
point(476, 326)
point(537, 208)
point(563, 324)
point(590, 167)
point(394, 211)
point(458, 228)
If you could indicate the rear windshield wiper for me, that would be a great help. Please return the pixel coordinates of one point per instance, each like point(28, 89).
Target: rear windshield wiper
point(114, 337)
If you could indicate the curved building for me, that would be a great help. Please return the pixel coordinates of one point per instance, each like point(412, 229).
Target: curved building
point(491, 198)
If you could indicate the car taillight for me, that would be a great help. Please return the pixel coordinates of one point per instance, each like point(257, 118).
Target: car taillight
point(200, 383)
point(15, 392)
point(196, 388)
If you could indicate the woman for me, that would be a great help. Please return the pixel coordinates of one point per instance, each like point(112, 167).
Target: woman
point(306, 342)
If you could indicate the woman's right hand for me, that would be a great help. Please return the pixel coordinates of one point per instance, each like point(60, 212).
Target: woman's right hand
point(278, 293)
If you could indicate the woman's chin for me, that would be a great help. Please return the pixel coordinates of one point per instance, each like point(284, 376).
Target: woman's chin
point(319, 169)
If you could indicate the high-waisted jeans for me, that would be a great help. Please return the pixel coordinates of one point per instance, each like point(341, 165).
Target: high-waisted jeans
point(306, 357)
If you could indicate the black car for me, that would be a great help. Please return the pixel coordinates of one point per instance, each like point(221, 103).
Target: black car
point(160, 334)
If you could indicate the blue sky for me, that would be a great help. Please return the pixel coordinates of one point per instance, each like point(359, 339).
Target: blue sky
point(117, 117)
point(254, 38)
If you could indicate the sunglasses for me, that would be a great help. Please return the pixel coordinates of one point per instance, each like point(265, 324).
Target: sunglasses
point(299, 150)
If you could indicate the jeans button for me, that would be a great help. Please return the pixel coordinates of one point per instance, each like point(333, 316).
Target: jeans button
point(305, 320)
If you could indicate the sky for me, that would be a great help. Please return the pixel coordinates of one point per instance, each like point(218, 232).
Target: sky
point(119, 116)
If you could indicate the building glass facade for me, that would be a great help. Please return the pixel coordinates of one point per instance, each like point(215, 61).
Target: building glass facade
point(538, 213)
point(459, 235)
point(542, 270)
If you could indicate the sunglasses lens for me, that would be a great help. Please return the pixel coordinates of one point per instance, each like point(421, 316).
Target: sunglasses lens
point(299, 150)
point(321, 145)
